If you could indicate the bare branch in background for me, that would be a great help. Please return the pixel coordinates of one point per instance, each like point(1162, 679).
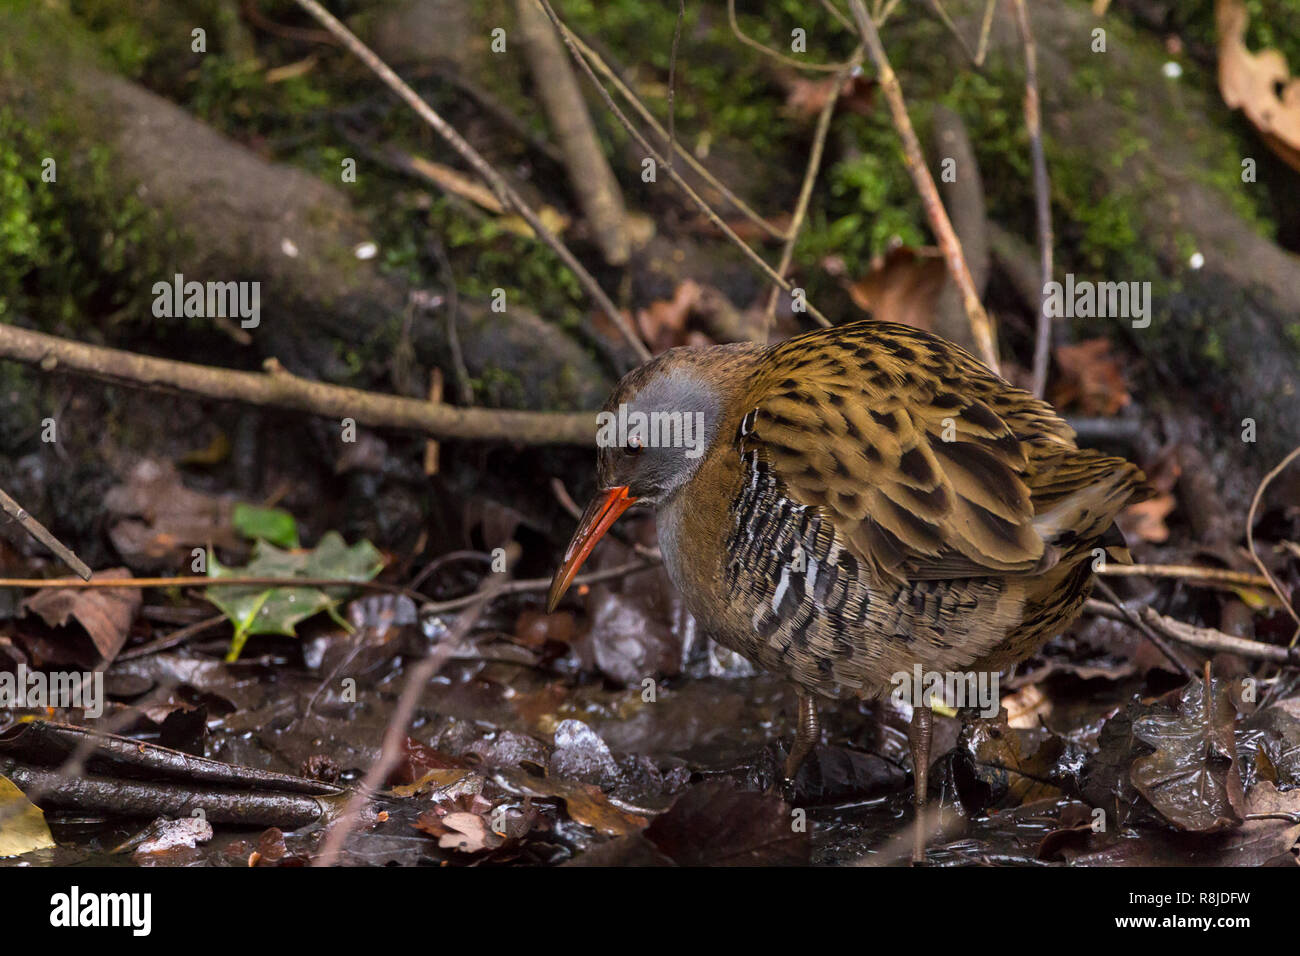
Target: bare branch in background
point(590, 178)
point(676, 177)
point(279, 388)
point(499, 185)
point(42, 534)
point(805, 191)
point(1042, 197)
point(598, 63)
point(981, 326)
point(1250, 539)
point(777, 54)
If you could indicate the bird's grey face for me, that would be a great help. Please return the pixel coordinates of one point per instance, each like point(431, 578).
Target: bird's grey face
point(654, 432)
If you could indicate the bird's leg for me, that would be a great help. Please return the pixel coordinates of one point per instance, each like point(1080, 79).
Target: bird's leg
point(919, 737)
point(807, 736)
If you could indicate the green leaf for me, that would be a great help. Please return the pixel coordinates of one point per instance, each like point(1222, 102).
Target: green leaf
point(260, 610)
point(267, 524)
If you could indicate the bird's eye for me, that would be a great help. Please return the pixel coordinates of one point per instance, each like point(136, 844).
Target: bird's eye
point(634, 445)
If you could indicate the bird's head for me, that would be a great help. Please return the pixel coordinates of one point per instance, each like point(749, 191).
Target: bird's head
point(654, 432)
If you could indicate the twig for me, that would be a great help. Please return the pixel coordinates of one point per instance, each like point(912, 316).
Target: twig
point(539, 584)
point(1204, 638)
point(805, 191)
point(983, 48)
point(481, 166)
point(178, 636)
point(279, 388)
point(952, 28)
point(672, 83)
point(1250, 540)
point(1207, 638)
point(834, 11)
point(777, 54)
point(676, 177)
point(1187, 572)
point(395, 732)
point(1146, 630)
point(42, 534)
point(625, 91)
point(1042, 197)
point(591, 180)
point(196, 581)
point(981, 327)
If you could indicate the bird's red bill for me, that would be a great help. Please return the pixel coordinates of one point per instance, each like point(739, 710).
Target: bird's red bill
point(595, 521)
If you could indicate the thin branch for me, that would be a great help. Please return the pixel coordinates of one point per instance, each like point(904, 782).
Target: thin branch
point(672, 83)
point(591, 181)
point(1186, 572)
point(198, 581)
point(1042, 197)
point(539, 584)
point(279, 388)
point(395, 732)
point(1250, 539)
point(981, 327)
point(952, 28)
point(459, 373)
point(505, 192)
point(625, 91)
point(1146, 630)
point(777, 54)
point(805, 191)
point(983, 48)
point(676, 177)
point(834, 11)
point(1207, 638)
point(1203, 638)
point(42, 534)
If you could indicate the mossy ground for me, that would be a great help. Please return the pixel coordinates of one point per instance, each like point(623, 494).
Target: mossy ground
point(728, 95)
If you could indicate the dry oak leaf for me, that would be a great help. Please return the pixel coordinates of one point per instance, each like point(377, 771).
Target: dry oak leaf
point(902, 286)
point(1146, 519)
point(1090, 377)
point(1260, 84)
point(105, 614)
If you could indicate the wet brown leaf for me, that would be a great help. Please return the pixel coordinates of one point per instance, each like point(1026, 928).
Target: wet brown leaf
point(902, 287)
point(714, 824)
point(1090, 378)
point(1192, 777)
point(105, 615)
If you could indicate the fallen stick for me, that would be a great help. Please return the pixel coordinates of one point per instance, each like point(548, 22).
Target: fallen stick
point(42, 534)
point(280, 388)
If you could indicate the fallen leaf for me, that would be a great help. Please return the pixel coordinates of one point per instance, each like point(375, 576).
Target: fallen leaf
point(1146, 519)
point(902, 287)
point(662, 324)
point(105, 614)
point(1260, 84)
point(1090, 377)
point(1192, 778)
point(22, 824)
point(258, 610)
point(154, 520)
point(714, 824)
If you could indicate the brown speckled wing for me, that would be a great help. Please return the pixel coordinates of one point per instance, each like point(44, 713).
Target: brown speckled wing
point(922, 459)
